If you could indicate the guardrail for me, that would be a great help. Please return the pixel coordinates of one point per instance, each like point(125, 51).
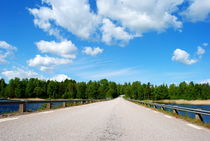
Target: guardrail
point(198, 112)
point(23, 103)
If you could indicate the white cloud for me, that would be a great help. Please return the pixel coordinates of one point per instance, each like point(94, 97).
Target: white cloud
point(64, 48)
point(5, 45)
point(111, 32)
point(60, 77)
point(141, 16)
point(25, 73)
point(46, 63)
point(21, 73)
point(183, 57)
point(205, 44)
point(200, 51)
point(5, 51)
point(92, 51)
point(199, 10)
point(73, 15)
point(127, 19)
point(205, 81)
point(42, 18)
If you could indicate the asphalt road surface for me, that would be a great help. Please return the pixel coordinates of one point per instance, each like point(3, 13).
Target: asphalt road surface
point(115, 120)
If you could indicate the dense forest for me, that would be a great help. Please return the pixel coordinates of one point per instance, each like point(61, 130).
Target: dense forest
point(70, 89)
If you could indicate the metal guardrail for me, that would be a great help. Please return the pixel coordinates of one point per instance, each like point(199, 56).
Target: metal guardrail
point(198, 112)
point(22, 103)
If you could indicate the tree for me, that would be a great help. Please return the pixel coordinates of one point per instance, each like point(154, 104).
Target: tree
point(38, 91)
point(52, 89)
point(29, 92)
point(20, 89)
point(103, 88)
point(92, 90)
point(34, 87)
point(2, 87)
point(135, 89)
point(81, 90)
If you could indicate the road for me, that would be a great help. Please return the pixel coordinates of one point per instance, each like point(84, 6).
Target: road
point(114, 120)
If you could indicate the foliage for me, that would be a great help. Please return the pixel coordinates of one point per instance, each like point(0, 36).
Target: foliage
point(190, 91)
point(31, 88)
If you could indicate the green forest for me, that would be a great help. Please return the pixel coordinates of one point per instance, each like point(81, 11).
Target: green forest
point(70, 89)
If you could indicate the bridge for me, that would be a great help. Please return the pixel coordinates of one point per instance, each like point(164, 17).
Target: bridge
point(114, 120)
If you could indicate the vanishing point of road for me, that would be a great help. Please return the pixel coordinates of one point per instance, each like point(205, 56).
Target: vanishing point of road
point(114, 120)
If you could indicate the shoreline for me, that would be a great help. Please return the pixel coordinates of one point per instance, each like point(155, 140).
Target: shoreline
point(182, 101)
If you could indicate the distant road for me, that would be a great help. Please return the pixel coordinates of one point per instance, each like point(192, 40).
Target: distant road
point(115, 120)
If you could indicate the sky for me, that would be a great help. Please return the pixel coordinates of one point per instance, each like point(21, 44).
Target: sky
point(157, 41)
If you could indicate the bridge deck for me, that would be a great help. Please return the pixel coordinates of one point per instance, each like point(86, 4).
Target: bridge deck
point(115, 120)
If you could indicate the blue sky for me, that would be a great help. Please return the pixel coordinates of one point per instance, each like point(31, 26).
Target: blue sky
point(149, 41)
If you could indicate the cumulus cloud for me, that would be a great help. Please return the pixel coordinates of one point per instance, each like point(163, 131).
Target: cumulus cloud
point(21, 73)
point(199, 10)
point(141, 16)
point(183, 57)
point(5, 51)
point(111, 32)
point(114, 20)
point(92, 51)
point(46, 63)
point(42, 18)
point(72, 15)
point(60, 77)
point(25, 73)
point(64, 48)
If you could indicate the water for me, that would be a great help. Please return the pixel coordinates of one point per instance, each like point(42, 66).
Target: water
point(192, 115)
point(8, 108)
point(30, 107)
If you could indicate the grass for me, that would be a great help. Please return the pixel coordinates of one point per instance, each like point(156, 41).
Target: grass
point(183, 101)
point(7, 114)
point(42, 107)
point(186, 118)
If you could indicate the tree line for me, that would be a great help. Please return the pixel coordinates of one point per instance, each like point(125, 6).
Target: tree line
point(188, 91)
point(70, 89)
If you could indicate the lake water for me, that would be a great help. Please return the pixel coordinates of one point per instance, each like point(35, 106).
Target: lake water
point(192, 115)
point(29, 107)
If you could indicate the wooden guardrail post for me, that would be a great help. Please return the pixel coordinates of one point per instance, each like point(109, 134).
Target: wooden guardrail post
point(49, 105)
point(175, 111)
point(22, 108)
point(198, 116)
point(64, 104)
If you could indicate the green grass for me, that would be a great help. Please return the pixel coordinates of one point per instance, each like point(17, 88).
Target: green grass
point(42, 107)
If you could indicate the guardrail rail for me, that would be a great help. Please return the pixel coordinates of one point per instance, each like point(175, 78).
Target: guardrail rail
point(198, 112)
point(23, 103)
